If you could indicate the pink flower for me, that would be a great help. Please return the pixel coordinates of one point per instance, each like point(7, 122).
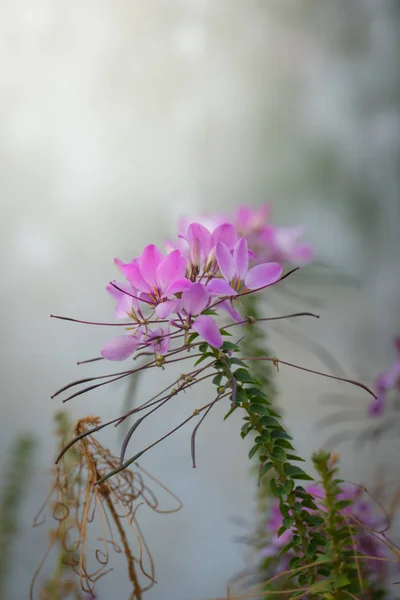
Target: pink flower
point(122, 346)
point(249, 220)
point(198, 243)
point(126, 296)
point(159, 340)
point(155, 276)
point(283, 244)
point(194, 301)
point(236, 274)
point(190, 306)
point(386, 381)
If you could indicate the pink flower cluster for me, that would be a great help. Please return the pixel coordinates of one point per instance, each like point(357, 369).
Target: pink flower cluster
point(266, 241)
point(179, 292)
point(360, 511)
point(386, 382)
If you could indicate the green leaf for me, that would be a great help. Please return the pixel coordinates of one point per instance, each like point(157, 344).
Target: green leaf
point(217, 379)
point(259, 409)
point(296, 473)
point(288, 487)
point(283, 444)
point(287, 523)
point(276, 489)
point(206, 355)
point(243, 376)
point(264, 438)
point(286, 548)
point(294, 457)
point(229, 346)
point(264, 469)
point(343, 504)
point(192, 337)
point(203, 347)
point(225, 332)
point(281, 530)
point(230, 411)
point(280, 434)
point(253, 450)
point(342, 580)
point(270, 422)
point(241, 395)
point(256, 392)
point(278, 453)
point(237, 361)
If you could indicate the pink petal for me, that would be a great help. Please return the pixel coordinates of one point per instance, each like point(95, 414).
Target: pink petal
point(165, 309)
point(199, 240)
point(195, 299)
point(159, 340)
point(120, 347)
point(124, 291)
point(225, 233)
point(132, 273)
point(302, 254)
point(120, 264)
point(263, 275)
point(243, 215)
point(180, 285)
point(148, 263)
point(225, 261)
point(219, 287)
point(124, 306)
point(172, 267)
point(241, 258)
point(377, 405)
point(207, 328)
point(234, 314)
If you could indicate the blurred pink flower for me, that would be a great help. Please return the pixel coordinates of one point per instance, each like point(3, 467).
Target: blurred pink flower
point(386, 381)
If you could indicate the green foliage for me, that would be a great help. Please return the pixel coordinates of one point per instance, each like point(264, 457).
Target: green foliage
point(13, 491)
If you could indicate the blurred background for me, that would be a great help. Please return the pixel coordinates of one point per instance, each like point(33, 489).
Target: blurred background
point(116, 117)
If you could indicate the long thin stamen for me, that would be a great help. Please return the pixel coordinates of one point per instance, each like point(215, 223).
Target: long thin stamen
point(83, 322)
point(128, 293)
point(277, 362)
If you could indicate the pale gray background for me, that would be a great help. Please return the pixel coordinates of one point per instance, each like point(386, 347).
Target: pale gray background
point(118, 116)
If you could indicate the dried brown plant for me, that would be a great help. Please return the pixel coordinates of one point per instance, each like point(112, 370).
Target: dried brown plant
point(76, 501)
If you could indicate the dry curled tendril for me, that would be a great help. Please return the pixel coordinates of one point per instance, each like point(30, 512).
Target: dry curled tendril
point(75, 502)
